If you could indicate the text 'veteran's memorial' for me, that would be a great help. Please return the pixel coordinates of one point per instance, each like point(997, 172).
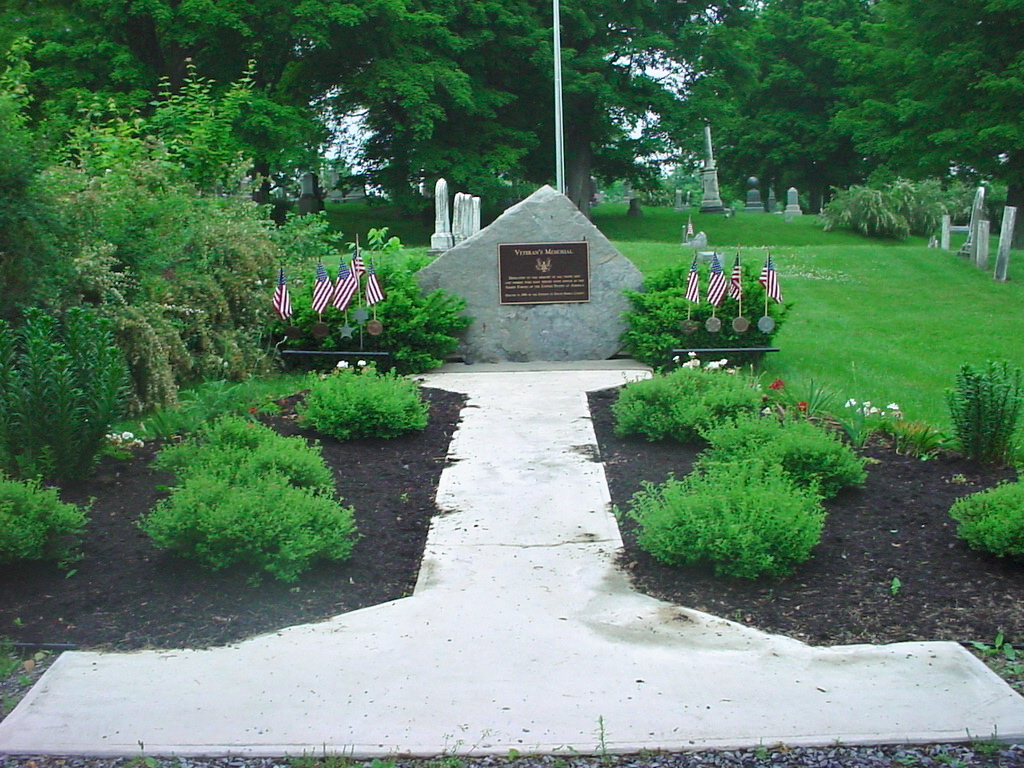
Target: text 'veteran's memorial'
point(541, 283)
point(543, 273)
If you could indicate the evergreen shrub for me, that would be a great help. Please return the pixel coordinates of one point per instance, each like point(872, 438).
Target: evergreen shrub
point(658, 312)
point(35, 524)
point(809, 455)
point(745, 519)
point(985, 407)
point(248, 497)
point(355, 402)
point(678, 405)
point(993, 520)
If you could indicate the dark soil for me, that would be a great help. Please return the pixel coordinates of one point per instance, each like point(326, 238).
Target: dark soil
point(896, 527)
point(124, 594)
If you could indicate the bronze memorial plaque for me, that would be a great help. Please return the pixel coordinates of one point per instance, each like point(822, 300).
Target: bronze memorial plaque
point(544, 273)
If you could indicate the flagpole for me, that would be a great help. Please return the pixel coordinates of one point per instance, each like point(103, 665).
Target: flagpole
point(559, 127)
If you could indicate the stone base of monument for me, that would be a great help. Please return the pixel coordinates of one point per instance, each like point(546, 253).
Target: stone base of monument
point(540, 283)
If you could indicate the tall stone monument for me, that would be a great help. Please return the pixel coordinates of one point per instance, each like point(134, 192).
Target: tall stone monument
point(712, 200)
point(441, 240)
point(792, 203)
point(541, 283)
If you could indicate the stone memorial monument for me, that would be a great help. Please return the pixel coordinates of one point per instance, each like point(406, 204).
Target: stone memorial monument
point(441, 240)
point(970, 247)
point(754, 204)
point(792, 203)
point(712, 200)
point(541, 283)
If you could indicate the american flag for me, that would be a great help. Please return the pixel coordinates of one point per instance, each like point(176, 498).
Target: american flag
point(716, 287)
point(346, 287)
point(770, 280)
point(282, 301)
point(693, 284)
point(322, 289)
point(358, 268)
point(374, 293)
point(736, 281)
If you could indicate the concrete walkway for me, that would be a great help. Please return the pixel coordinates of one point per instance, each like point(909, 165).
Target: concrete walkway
point(520, 635)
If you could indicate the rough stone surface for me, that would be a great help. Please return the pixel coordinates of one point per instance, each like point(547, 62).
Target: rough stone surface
point(528, 332)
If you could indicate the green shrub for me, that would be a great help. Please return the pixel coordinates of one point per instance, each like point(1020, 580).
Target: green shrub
point(993, 520)
point(249, 497)
point(232, 447)
point(419, 329)
point(353, 403)
point(678, 405)
point(896, 210)
point(62, 385)
point(810, 456)
point(985, 407)
point(745, 519)
point(655, 321)
point(257, 520)
point(35, 524)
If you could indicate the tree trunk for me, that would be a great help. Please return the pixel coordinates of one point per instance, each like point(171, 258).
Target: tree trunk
point(1015, 197)
point(579, 160)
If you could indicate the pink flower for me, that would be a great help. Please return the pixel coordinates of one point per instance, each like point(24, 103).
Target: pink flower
point(777, 384)
point(802, 406)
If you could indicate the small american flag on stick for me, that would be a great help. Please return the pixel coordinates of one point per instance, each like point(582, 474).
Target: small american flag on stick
point(346, 287)
point(770, 280)
point(736, 280)
point(693, 283)
point(374, 293)
point(716, 287)
point(282, 301)
point(322, 289)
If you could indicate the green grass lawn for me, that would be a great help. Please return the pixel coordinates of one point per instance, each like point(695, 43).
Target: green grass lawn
point(871, 320)
point(874, 320)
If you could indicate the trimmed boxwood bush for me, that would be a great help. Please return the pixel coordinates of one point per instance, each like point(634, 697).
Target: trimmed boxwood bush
point(251, 498)
point(678, 405)
point(993, 520)
point(809, 455)
point(354, 403)
point(745, 519)
point(35, 524)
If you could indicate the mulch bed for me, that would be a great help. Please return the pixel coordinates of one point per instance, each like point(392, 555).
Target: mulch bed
point(124, 594)
point(896, 526)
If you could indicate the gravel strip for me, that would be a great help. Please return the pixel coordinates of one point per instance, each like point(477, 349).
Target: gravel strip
point(975, 755)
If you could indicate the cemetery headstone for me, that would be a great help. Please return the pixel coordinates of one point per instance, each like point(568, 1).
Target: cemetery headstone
point(712, 199)
point(459, 230)
point(970, 248)
point(441, 240)
point(699, 240)
point(634, 207)
point(983, 230)
point(754, 204)
point(541, 283)
point(772, 203)
point(310, 199)
point(792, 203)
point(1005, 240)
point(679, 200)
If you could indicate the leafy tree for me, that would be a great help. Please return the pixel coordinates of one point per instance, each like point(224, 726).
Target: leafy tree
point(939, 90)
point(771, 82)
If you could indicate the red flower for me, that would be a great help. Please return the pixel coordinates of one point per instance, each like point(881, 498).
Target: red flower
point(777, 384)
point(802, 406)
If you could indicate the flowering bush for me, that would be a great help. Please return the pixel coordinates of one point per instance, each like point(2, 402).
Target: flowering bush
point(861, 419)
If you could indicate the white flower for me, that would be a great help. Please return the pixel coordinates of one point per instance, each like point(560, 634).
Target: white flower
point(867, 404)
point(873, 411)
point(692, 354)
point(714, 365)
point(361, 363)
point(691, 364)
point(893, 407)
point(766, 411)
point(676, 359)
point(342, 364)
point(851, 403)
point(126, 436)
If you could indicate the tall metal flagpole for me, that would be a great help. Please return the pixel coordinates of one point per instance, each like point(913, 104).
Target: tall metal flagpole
point(559, 128)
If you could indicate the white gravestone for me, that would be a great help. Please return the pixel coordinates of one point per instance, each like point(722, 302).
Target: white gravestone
point(441, 240)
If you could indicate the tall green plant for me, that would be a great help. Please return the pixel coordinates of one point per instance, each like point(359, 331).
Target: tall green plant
point(62, 385)
point(985, 407)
